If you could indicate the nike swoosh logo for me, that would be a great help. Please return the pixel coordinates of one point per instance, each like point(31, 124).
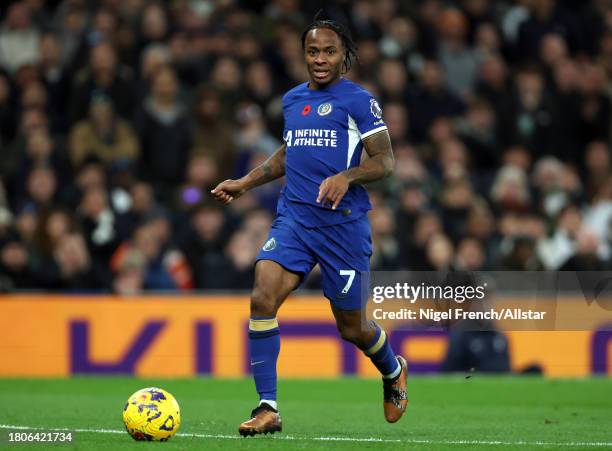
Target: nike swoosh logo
point(257, 363)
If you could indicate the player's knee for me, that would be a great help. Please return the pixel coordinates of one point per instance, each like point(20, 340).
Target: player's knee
point(351, 334)
point(263, 303)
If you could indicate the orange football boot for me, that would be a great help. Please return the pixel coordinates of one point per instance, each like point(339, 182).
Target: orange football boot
point(395, 394)
point(264, 419)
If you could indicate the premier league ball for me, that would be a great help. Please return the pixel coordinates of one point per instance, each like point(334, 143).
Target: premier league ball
point(151, 414)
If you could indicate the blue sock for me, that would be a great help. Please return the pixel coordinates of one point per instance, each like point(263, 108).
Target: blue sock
point(264, 343)
point(380, 353)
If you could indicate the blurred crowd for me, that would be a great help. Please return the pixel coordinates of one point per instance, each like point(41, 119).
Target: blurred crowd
point(118, 116)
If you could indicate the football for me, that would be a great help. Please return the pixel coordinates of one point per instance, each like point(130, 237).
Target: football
point(151, 414)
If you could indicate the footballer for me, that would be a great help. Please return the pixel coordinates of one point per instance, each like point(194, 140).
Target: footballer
point(321, 217)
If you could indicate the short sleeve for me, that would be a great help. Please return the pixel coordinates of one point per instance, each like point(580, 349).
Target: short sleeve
point(367, 114)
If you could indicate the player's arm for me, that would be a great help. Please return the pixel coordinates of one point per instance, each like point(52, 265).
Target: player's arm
point(271, 169)
point(378, 166)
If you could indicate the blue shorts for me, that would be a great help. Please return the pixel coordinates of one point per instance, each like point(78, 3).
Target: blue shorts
point(342, 251)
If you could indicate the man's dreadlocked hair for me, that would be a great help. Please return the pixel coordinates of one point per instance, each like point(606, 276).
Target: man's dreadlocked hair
point(341, 31)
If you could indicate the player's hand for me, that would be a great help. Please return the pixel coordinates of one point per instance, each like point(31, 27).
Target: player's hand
point(228, 190)
point(332, 190)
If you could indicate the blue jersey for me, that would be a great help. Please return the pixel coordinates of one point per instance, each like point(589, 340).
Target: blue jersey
point(323, 133)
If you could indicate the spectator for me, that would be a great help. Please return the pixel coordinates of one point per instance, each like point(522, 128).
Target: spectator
point(553, 50)
point(510, 191)
point(427, 225)
point(19, 38)
point(91, 174)
point(453, 160)
point(14, 265)
point(103, 74)
point(153, 57)
point(260, 88)
point(256, 223)
point(528, 119)
point(41, 189)
point(164, 132)
point(252, 135)
point(430, 100)
point(595, 109)
point(412, 201)
point(202, 176)
point(226, 77)
point(76, 270)
point(235, 268)
point(25, 225)
point(598, 217)
point(41, 149)
point(103, 135)
point(70, 21)
point(400, 39)
point(456, 199)
point(203, 241)
point(213, 135)
point(470, 255)
point(554, 185)
point(52, 226)
point(130, 275)
point(567, 98)
point(520, 233)
point(478, 131)
point(99, 224)
point(486, 41)
point(480, 224)
point(586, 256)
point(458, 61)
point(597, 167)
point(7, 119)
point(493, 82)
point(396, 117)
point(385, 249)
point(153, 240)
point(56, 80)
point(439, 253)
point(145, 242)
point(393, 81)
point(154, 26)
point(546, 16)
point(555, 250)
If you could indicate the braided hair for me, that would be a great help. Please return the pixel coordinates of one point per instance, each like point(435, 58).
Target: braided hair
point(343, 34)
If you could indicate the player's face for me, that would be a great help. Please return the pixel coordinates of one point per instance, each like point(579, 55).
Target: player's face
point(324, 57)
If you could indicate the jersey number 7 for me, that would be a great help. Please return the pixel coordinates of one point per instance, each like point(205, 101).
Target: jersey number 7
point(351, 277)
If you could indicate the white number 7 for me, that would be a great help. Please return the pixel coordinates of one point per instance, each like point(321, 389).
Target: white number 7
point(351, 274)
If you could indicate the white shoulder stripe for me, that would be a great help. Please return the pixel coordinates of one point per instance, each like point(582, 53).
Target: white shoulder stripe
point(371, 132)
point(354, 137)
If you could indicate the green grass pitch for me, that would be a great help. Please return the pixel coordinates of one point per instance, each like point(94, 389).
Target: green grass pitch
point(444, 413)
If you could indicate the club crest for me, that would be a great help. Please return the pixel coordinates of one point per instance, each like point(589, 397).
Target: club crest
point(324, 109)
point(270, 245)
point(375, 109)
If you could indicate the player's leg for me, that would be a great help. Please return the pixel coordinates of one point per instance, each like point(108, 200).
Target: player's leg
point(344, 266)
point(372, 340)
point(273, 284)
point(281, 264)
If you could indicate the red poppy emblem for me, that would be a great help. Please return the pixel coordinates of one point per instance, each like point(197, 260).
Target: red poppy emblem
point(306, 110)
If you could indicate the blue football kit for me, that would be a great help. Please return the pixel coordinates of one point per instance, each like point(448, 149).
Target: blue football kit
point(324, 130)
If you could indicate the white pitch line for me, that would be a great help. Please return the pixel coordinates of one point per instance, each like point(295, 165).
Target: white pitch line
point(334, 439)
